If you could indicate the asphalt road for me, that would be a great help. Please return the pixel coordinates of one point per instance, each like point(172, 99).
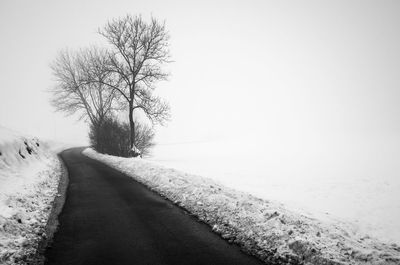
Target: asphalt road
point(108, 218)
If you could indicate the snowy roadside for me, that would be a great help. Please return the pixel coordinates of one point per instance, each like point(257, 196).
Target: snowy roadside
point(263, 228)
point(29, 178)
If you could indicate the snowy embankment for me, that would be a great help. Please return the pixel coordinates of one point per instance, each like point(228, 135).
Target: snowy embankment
point(29, 177)
point(261, 227)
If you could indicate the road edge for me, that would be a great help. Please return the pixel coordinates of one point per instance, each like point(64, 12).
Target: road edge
point(52, 222)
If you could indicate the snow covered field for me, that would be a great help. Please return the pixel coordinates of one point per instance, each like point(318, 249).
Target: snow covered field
point(29, 176)
point(353, 183)
point(263, 227)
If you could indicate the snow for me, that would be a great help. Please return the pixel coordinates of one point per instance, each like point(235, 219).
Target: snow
point(29, 175)
point(135, 151)
point(331, 183)
point(265, 228)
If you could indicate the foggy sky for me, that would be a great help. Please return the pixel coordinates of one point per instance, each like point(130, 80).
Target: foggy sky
point(299, 76)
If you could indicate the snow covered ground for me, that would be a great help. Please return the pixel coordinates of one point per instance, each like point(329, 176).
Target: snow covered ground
point(29, 176)
point(263, 227)
point(356, 183)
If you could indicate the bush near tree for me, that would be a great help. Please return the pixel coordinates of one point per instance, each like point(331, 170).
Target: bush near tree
point(113, 137)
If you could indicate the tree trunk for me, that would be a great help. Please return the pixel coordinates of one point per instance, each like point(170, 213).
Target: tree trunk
point(132, 125)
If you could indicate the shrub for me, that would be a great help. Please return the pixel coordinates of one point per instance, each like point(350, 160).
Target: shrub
point(112, 137)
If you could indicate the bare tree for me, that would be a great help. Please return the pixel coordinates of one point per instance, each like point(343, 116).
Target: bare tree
point(139, 49)
point(75, 91)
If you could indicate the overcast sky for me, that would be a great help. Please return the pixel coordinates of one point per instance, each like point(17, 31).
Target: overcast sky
point(300, 73)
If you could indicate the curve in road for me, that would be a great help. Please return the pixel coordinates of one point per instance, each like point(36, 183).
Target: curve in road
point(109, 218)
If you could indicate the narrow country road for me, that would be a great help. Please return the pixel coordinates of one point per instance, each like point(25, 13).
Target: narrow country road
point(108, 218)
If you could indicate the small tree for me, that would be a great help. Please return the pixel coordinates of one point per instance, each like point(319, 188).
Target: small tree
point(138, 52)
